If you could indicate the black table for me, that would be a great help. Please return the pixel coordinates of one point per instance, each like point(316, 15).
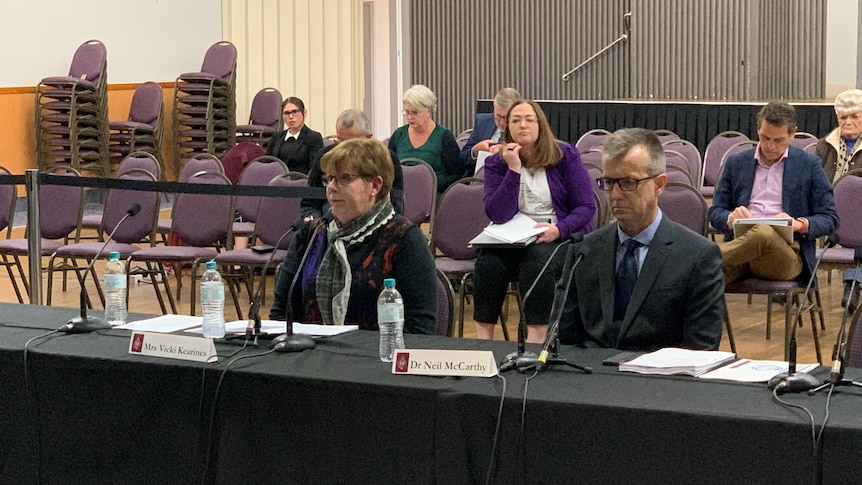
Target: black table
point(336, 415)
point(695, 122)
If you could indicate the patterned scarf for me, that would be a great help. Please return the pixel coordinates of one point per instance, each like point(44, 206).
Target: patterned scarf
point(844, 157)
point(335, 276)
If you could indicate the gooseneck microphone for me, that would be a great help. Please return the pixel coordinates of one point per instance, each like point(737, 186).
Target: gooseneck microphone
point(84, 323)
point(791, 381)
point(253, 328)
point(523, 360)
point(560, 294)
point(290, 342)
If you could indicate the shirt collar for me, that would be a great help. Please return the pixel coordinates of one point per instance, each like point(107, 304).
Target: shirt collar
point(762, 163)
point(646, 236)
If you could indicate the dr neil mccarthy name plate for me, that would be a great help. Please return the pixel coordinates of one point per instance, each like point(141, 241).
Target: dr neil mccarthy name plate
point(431, 362)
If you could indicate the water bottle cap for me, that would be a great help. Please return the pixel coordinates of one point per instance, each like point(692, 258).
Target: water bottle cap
point(114, 255)
point(389, 283)
point(211, 265)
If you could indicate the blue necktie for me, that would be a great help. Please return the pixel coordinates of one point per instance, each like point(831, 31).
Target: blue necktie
point(627, 276)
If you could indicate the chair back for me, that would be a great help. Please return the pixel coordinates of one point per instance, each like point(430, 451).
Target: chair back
point(733, 150)
point(259, 171)
point(463, 138)
point(802, 139)
point(445, 306)
point(853, 358)
point(685, 205)
point(238, 157)
point(460, 217)
point(592, 158)
point(591, 139)
point(89, 62)
point(600, 218)
point(202, 162)
point(266, 109)
point(60, 207)
point(203, 220)
point(220, 61)
point(420, 190)
point(676, 162)
point(846, 192)
point(691, 155)
point(8, 199)
point(147, 104)
point(329, 141)
point(666, 135)
point(276, 214)
point(810, 148)
point(117, 203)
point(140, 161)
point(715, 151)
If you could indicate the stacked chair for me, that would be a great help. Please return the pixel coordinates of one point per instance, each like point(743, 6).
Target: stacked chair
point(265, 118)
point(204, 111)
point(142, 132)
point(71, 123)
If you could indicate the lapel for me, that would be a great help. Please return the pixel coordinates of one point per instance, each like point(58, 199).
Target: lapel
point(656, 259)
point(789, 184)
point(746, 175)
point(606, 258)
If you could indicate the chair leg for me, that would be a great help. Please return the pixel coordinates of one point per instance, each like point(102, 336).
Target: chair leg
point(24, 279)
point(729, 328)
point(167, 286)
point(768, 314)
point(50, 290)
point(13, 279)
point(462, 298)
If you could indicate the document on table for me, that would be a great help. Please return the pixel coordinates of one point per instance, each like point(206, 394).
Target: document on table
point(274, 327)
point(669, 361)
point(164, 324)
point(747, 370)
point(783, 226)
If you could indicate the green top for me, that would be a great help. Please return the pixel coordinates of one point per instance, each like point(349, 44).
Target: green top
point(440, 151)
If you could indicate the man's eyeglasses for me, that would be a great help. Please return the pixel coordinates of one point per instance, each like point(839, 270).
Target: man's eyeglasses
point(292, 112)
point(625, 184)
point(501, 118)
point(341, 179)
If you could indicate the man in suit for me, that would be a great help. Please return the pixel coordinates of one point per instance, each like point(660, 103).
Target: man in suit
point(487, 134)
point(645, 282)
point(776, 180)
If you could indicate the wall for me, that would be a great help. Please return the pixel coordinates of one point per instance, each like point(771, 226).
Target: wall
point(842, 46)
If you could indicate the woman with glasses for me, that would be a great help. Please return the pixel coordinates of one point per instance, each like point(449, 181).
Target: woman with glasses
point(424, 139)
point(298, 144)
point(350, 256)
point(536, 175)
point(841, 151)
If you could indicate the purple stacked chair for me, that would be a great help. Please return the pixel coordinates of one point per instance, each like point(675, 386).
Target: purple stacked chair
point(265, 118)
point(142, 132)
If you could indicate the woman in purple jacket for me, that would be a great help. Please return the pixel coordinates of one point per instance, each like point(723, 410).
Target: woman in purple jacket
point(544, 179)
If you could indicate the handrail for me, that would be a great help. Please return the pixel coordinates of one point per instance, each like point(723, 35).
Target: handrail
point(627, 23)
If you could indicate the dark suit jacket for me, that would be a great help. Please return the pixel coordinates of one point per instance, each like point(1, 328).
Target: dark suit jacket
point(805, 192)
point(678, 300)
point(483, 128)
point(296, 155)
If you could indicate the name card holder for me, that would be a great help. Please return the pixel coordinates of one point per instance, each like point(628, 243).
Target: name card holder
point(169, 346)
point(433, 362)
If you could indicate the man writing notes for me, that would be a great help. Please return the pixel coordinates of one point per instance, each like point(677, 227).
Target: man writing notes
point(488, 130)
point(645, 282)
point(773, 180)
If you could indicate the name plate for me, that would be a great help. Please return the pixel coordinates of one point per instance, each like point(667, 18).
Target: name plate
point(173, 346)
point(434, 362)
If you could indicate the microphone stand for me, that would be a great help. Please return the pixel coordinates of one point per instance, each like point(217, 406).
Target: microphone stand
point(290, 342)
point(552, 341)
point(791, 381)
point(85, 323)
point(839, 352)
point(523, 360)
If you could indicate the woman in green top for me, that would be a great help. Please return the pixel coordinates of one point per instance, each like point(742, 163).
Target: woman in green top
point(424, 139)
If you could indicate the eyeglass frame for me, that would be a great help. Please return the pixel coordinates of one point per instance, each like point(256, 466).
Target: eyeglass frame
point(607, 184)
point(341, 179)
point(292, 112)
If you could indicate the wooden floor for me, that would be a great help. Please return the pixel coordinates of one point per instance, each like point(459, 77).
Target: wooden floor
point(749, 320)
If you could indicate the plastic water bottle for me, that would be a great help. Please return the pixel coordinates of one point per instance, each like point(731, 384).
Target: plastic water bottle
point(212, 301)
point(390, 319)
point(115, 290)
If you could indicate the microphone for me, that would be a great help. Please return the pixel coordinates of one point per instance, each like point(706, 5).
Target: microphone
point(84, 323)
point(790, 381)
point(523, 360)
point(290, 342)
point(253, 327)
point(562, 290)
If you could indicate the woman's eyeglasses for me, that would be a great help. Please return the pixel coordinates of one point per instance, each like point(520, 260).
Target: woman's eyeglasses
point(292, 112)
point(413, 112)
point(341, 179)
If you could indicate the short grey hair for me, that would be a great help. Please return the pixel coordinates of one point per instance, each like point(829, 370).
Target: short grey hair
point(506, 97)
point(848, 102)
point(622, 141)
point(421, 97)
point(354, 117)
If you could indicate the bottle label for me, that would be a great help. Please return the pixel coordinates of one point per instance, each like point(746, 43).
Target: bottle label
point(115, 282)
point(390, 313)
point(212, 292)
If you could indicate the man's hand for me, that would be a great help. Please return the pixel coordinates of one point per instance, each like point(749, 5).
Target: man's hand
point(482, 146)
point(797, 224)
point(740, 212)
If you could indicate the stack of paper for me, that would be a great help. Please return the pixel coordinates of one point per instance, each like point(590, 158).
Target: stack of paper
point(671, 360)
point(783, 226)
point(520, 230)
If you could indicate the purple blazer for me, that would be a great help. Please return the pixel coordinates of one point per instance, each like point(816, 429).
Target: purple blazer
point(568, 180)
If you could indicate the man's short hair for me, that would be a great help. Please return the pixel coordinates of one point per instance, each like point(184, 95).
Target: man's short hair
point(506, 97)
point(778, 113)
point(622, 141)
point(354, 117)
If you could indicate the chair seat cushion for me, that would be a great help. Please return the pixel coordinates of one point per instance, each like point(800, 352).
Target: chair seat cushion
point(19, 246)
point(248, 257)
point(92, 248)
point(838, 256)
point(455, 266)
point(757, 285)
point(173, 253)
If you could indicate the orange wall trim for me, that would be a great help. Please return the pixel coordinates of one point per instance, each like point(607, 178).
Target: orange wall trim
point(111, 87)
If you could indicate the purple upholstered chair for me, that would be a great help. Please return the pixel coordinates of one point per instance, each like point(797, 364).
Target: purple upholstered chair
point(691, 155)
point(846, 191)
point(854, 341)
point(802, 139)
point(142, 131)
point(600, 218)
point(202, 162)
point(592, 158)
point(445, 306)
point(666, 135)
point(713, 156)
point(420, 190)
point(133, 230)
point(275, 215)
point(203, 223)
point(677, 168)
point(265, 117)
point(8, 198)
point(591, 139)
point(259, 171)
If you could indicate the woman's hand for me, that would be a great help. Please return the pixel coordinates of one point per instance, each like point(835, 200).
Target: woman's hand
point(551, 235)
point(511, 156)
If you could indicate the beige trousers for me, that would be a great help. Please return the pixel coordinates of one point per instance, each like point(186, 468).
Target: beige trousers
point(763, 253)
